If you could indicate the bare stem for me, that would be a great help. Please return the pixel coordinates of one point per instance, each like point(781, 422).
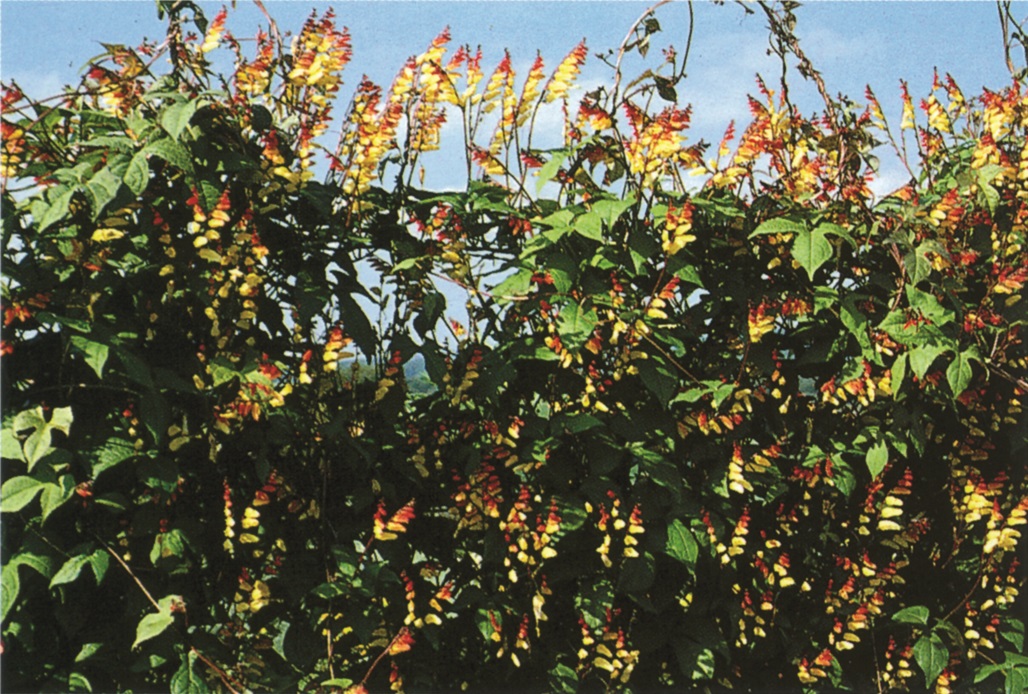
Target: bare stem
point(134, 577)
point(225, 678)
point(624, 49)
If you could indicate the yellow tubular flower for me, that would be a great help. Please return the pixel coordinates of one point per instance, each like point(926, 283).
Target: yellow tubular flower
point(566, 73)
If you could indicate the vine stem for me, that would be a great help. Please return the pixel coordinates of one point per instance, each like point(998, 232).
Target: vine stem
point(974, 587)
point(135, 578)
point(225, 678)
point(381, 655)
point(667, 356)
point(1002, 373)
point(623, 49)
point(784, 33)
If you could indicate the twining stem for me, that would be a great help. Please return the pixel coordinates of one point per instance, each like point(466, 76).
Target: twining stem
point(784, 33)
point(383, 654)
point(134, 577)
point(225, 678)
point(624, 49)
point(667, 356)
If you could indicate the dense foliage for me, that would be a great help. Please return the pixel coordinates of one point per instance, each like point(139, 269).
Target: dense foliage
point(717, 417)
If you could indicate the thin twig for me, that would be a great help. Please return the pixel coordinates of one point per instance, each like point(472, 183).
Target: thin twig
point(806, 67)
point(271, 22)
point(402, 632)
point(225, 678)
point(134, 577)
point(1006, 34)
point(688, 42)
point(624, 49)
point(1019, 382)
point(669, 357)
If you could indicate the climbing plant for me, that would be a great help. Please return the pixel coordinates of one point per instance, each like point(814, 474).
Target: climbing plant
point(709, 416)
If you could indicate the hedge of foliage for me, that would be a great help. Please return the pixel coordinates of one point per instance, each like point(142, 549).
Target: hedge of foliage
point(718, 416)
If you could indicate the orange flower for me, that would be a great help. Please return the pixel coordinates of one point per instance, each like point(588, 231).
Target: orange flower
point(16, 313)
point(214, 32)
point(386, 530)
point(402, 643)
point(566, 73)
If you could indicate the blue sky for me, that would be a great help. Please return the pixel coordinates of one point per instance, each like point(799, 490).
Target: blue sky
point(44, 43)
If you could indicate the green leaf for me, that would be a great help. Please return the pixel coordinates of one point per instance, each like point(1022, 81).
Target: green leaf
point(779, 225)
point(171, 152)
point(689, 273)
point(56, 495)
point(110, 454)
point(40, 563)
point(611, 210)
point(551, 167)
point(1017, 681)
point(959, 372)
point(991, 196)
point(811, 250)
point(515, 286)
point(77, 682)
point(637, 574)
point(589, 225)
point(574, 423)
point(176, 117)
point(167, 545)
point(222, 371)
point(836, 230)
point(99, 560)
point(187, 679)
point(916, 614)
point(10, 446)
point(1014, 633)
point(357, 324)
point(681, 544)
point(120, 143)
point(921, 358)
point(917, 264)
point(898, 373)
point(658, 379)
point(155, 623)
point(563, 679)
point(101, 189)
point(575, 325)
point(29, 419)
point(19, 492)
point(137, 175)
point(932, 655)
point(61, 420)
point(95, 353)
point(877, 458)
point(10, 585)
point(664, 87)
point(695, 660)
point(58, 209)
point(37, 445)
point(988, 172)
point(70, 571)
point(88, 651)
point(929, 306)
point(155, 413)
point(135, 368)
